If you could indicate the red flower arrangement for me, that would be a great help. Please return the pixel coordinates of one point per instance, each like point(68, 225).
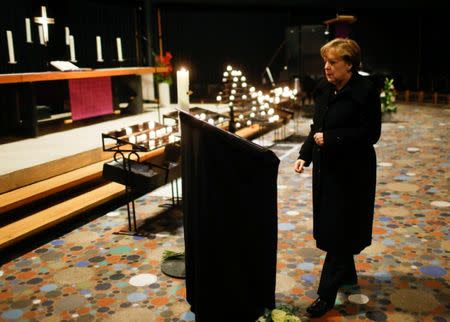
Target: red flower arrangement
point(164, 61)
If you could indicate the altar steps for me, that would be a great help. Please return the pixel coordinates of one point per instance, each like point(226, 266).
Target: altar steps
point(33, 208)
point(51, 216)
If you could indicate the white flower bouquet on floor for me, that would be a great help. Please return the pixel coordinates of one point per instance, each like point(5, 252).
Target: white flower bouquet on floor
point(283, 313)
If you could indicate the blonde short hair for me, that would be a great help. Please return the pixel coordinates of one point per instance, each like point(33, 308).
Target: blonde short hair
point(346, 48)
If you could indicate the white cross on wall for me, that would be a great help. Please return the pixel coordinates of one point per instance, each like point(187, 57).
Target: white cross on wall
point(44, 21)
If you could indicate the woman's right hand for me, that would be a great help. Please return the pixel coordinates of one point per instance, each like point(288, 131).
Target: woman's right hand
point(298, 166)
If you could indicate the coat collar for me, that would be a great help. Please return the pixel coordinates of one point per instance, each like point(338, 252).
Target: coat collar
point(358, 87)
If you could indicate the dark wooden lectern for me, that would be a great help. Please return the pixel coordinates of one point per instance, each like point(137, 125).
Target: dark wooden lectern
point(230, 223)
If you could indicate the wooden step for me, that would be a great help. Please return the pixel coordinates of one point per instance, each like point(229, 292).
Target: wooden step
point(26, 195)
point(46, 218)
point(27, 176)
point(42, 189)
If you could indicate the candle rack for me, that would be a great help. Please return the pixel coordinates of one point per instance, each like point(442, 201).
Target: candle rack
point(126, 167)
point(248, 106)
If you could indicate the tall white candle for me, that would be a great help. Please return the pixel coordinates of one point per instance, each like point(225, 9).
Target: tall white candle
point(67, 32)
point(98, 39)
point(28, 30)
point(119, 49)
point(72, 49)
point(183, 89)
point(41, 35)
point(9, 36)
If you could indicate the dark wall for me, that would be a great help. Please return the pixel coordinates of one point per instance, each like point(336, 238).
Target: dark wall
point(404, 43)
point(206, 41)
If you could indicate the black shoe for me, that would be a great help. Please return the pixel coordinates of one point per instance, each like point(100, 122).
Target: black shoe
point(319, 307)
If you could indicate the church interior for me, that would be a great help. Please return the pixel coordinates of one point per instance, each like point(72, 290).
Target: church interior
point(111, 112)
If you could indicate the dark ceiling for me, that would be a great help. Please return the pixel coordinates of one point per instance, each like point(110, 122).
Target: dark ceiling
point(308, 3)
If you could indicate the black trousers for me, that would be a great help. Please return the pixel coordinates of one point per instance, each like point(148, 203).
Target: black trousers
point(338, 269)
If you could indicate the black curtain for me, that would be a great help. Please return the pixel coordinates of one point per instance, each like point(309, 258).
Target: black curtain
point(230, 223)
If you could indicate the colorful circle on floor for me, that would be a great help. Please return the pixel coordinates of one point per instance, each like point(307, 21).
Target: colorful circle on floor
point(143, 279)
point(286, 226)
point(306, 266)
point(113, 213)
point(136, 297)
point(435, 271)
point(440, 204)
point(48, 287)
point(188, 316)
point(308, 278)
point(12, 314)
point(358, 298)
point(383, 276)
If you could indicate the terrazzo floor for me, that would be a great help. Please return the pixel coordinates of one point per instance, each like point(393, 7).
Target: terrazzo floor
point(92, 274)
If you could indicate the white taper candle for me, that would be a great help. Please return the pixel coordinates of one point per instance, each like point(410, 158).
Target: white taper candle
point(9, 36)
point(28, 30)
point(67, 32)
point(183, 89)
point(72, 49)
point(98, 40)
point(119, 49)
point(41, 34)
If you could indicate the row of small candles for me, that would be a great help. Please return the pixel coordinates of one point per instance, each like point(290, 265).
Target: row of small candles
point(212, 121)
point(278, 92)
point(148, 133)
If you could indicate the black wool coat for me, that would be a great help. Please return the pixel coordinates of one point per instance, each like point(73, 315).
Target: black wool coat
point(344, 168)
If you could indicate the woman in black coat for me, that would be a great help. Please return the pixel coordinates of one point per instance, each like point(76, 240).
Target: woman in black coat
point(346, 124)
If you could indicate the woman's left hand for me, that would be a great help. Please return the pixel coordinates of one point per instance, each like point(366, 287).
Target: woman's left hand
point(318, 138)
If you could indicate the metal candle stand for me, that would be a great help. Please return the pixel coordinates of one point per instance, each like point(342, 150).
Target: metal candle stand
point(126, 167)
